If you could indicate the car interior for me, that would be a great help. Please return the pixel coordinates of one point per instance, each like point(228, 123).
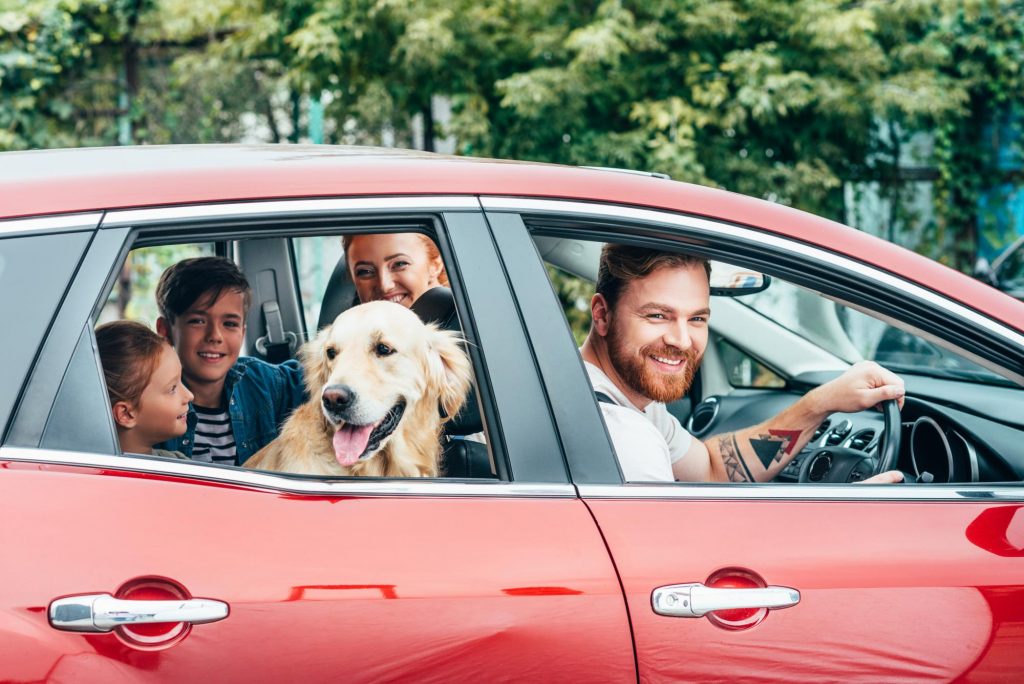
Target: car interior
point(771, 341)
point(959, 424)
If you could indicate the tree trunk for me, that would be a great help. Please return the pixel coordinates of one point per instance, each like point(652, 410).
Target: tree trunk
point(428, 125)
point(296, 112)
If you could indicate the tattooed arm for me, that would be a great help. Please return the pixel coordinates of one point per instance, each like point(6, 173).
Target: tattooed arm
point(759, 453)
point(755, 454)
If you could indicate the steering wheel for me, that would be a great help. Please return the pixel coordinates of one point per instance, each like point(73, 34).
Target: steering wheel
point(839, 464)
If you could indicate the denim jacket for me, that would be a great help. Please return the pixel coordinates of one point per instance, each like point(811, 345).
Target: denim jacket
point(261, 396)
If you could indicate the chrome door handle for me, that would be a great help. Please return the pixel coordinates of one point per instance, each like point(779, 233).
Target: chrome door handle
point(103, 612)
point(695, 600)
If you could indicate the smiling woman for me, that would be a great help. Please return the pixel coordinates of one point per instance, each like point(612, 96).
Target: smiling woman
point(397, 267)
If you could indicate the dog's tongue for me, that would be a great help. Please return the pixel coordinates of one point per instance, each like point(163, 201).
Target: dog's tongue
point(350, 442)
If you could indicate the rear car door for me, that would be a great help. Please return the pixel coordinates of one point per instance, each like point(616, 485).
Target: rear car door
point(883, 583)
point(279, 577)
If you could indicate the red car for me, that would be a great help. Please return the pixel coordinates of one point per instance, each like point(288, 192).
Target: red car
point(542, 564)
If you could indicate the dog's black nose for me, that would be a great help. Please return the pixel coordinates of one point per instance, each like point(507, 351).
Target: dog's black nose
point(337, 397)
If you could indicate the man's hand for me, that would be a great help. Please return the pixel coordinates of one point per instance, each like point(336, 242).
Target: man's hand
point(888, 477)
point(862, 386)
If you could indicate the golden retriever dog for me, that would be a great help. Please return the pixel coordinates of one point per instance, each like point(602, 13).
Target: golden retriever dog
point(375, 379)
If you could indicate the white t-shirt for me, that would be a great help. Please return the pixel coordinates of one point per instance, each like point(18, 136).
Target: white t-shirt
point(647, 442)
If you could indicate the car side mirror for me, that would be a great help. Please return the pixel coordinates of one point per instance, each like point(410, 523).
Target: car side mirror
point(732, 281)
point(983, 271)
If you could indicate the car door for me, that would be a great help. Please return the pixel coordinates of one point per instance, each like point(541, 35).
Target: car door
point(263, 577)
point(865, 583)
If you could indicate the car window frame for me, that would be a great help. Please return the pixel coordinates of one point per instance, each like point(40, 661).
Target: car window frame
point(458, 220)
point(523, 217)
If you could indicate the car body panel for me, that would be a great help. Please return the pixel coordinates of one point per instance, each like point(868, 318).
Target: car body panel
point(365, 588)
point(888, 591)
point(544, 574)
point(108, 178)
point(865, 567)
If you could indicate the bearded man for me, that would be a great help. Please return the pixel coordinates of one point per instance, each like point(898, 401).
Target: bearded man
point(648, 333)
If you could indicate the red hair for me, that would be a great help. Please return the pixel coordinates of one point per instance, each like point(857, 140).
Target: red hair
point(129, 352)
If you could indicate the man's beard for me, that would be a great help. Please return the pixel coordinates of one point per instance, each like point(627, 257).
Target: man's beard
point(632, 367)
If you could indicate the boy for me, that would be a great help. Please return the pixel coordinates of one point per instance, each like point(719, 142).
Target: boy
point(240, 402)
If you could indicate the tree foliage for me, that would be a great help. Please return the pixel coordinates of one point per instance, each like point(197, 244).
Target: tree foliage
point(790, 101)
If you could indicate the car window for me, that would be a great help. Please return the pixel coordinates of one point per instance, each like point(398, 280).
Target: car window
point(39, 265)
point(763, 351)
point(853, 335)
point(457, 429)
point(134, 293)
point(744, 370)
point(315, 260)
point(1011, 271)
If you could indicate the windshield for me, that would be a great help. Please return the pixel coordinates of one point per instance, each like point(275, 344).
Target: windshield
point(854, 336)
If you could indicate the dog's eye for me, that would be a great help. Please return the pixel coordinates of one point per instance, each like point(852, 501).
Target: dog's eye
point(383, 349)
point(331, 353)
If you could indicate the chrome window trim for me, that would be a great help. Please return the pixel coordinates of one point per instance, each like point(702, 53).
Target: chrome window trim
point(777, 241)
point(50, 224)
point(777, 492)
point(269, 208)
point(282, 483)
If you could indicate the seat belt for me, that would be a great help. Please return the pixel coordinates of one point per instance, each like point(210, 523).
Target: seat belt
point(276, 346)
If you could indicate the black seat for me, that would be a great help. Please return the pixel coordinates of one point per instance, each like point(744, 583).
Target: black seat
point(437, 306)
point(462, 457)
point(339, 295)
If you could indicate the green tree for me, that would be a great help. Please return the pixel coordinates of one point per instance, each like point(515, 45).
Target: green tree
point(789, 101)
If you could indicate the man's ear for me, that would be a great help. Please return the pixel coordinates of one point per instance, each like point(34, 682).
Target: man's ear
point(163, 329)
point(600, 314)
point(124, 414)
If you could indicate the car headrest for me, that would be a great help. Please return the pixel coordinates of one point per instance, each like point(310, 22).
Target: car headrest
point(339, 295)
point(437, 305)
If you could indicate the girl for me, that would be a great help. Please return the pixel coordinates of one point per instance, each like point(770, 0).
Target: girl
point(143, 374)
point(398, 267)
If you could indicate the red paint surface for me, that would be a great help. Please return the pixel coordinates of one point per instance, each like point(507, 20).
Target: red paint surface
point(57, 181)
point(351, 589)
point(889, 591)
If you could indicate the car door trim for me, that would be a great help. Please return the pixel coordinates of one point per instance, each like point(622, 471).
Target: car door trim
point(283, 482)
point(269, 208)
point(496, 203)
point(733, 491)
point(50, 224)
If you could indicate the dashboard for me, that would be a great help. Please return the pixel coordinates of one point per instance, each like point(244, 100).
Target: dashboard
point(941, 441)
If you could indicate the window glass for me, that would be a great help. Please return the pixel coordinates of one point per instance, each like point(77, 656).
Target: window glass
point(315, 259)
point(852, 335)
point(744, 370)
point(574, 293)
point(134, 293)
point(1011, 272)
point(278, 388)
point(34, 273)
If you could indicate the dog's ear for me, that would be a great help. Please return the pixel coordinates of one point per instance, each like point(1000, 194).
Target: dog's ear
point(314, 362)
point(450, 369)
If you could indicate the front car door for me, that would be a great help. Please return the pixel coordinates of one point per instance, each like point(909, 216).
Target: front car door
point(884, 583)
point(293, 578)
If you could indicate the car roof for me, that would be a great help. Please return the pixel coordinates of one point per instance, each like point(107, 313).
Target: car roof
point(88, 179)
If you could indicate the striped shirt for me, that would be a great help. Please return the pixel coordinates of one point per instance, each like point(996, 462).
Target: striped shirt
point(214, 440)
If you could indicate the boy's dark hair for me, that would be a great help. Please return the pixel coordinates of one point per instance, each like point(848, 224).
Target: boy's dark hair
point(184, 283)
point(622, 264)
